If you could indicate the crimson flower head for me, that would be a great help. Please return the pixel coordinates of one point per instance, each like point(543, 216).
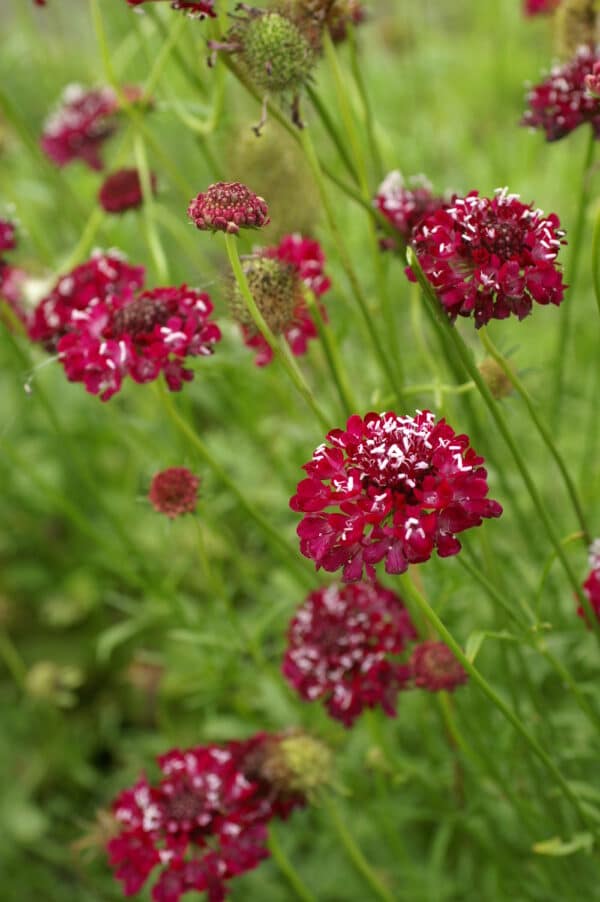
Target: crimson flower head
point(122, 190)
point(174, 492)
point(139, 337)
point(343, 648)
point(391, 488)
point(8, 241)
point(561, 103)
point(406, 204)
point(490, 257)
point(80, 125)
point(592, 81)
point(198, 10)
point(97, 280)
point(203, 823)
point(434, 667)
point(591, 586)
point(228, 207)
point(539, 7)
point(278, 277)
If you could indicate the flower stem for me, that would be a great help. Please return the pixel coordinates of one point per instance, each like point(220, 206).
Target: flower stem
point(541, 428)
point(333, 133)
point(355, 854)
point(503, 428)
point(152, 235)
point(534, 746)
point(281, 350)
point(332, 355)
point(370, 124)
point(287, 869)
point(596, 258)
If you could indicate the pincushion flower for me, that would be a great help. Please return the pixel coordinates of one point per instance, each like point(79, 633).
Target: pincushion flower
point(392, 488)
point(198, 10)
point(8, 241)
point(561, 103)
point(490, 258)
point(101, 277)
point(141, 337)
point(202, 824)
point(406, 204)
point(80, 125)
point(434, 667)
point(591, 586)
point(122, 190)
point(343, 648)
point(539, 7)
point(228, 207)
point(278, 277)
point(174, 492)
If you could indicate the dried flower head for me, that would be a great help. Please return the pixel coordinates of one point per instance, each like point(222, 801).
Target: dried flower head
point(490, 258)
point(343, 648)
point(278, 278)
point(202, 824)
point(200, 9)
point(174, 492)
point(391, 488)
point(80, 125)
point(434, 667)
point(122, 190)
point(228, 207)
point(561, 103)
point(577, 23)
point(406, 204)
point(336, 15)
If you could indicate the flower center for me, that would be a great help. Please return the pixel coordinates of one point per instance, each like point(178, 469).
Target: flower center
point(504, 239)
point(396, 457)
point(140, 317)
point(185, 805)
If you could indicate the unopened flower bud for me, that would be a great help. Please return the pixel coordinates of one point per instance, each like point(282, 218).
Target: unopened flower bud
point(228, 207)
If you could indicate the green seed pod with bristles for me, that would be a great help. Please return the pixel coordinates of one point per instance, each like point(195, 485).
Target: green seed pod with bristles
point(577, 23)
point(276, 54)
point(276, 290)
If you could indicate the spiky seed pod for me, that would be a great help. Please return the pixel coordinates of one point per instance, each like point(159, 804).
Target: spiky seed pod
point(276, 289)
point(495, 378)
point(577, 22)
point(278, 57)
point(292, 763)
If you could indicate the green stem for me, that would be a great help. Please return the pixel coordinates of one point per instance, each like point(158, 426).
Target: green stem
point(152, 236)
point(12, 659)
point(596, 258)
point(370, 124)
point(332, 355)
point(281, 350)
point(330, 128)
point(446, 636)
point(287, 869)
point(541, 428)
point(503, 428)
point(355, 854)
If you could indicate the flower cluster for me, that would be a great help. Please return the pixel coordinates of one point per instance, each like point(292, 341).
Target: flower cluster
point(228, 207)
point(205, 821)
point(278, 277)
point(561, 103)
point(104, 331)
point(391, 488)
point(591, 586)
point(80, 125)
point(406, 204)
point(490, 258)
point(174, 492)
point(200, 9)
point(539, 7)
point(122, 190)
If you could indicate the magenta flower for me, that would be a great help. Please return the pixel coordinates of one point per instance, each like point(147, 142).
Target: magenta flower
point(434, 667)
point(539, 7)
point(592, 81)
point(8, 240)
point(202, 824)
point(343, 645)
point(141, 337)
point(591, 586)
point(406, 204)
point(122, 190)
point(199, 9)
point(561, 103)
point(174, 492)
point(490, 258)
point(80, 125)
point(95, 281)
point(228, 207)
point(391, 488)
point(279, 293)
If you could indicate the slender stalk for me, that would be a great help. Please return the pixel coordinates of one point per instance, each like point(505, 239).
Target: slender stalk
point(152, 235)
point(12, 659)
point(503, 428)
point(332, 355)
point(330, 128)
point(541, 428)
point(355, 854)
point(370, 124)
point(596, 258)
point(533, 745)
point(281, 350)
point(288, 870)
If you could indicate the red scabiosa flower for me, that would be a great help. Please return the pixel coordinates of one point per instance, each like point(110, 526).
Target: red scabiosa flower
point(591, 586)
point(278, 276)
point(174, 492)
point(80, 125)
point(391, 488)
point(141, 337)
point(406, 204)
point(562, 103)
point(592, 81)
point(490, 258)
point(122, 190)
point(103, 276)
point(343, 648)
point(8, 240)
point(434, 667)
point(539, 7)
point(197, 10)
point(202, 824)
point(228, 207)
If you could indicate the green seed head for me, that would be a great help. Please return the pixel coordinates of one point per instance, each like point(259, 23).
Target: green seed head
point(276, 290)
point(277, 55)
